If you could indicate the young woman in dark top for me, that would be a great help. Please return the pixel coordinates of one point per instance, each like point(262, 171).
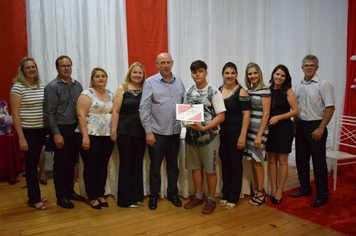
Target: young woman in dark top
point(281, 129)
point(127, 130)
point(233, 135)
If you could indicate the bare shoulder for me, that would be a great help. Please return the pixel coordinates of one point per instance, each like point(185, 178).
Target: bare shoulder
point(243, 92)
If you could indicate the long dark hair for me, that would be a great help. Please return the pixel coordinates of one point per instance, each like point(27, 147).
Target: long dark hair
point(287, 83)
point(230, 65)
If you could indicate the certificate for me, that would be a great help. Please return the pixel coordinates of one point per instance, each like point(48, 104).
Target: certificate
point(186, 112)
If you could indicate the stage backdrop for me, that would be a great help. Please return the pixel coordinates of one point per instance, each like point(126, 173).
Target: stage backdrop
point(95, 33)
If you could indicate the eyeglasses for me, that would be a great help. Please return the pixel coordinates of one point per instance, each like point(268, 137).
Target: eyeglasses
point(65, 66)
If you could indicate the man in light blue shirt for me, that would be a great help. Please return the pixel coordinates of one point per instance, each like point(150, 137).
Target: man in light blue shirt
point(161, 92)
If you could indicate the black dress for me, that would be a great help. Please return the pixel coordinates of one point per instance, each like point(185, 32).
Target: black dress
point(280, 135)
point(231, 157)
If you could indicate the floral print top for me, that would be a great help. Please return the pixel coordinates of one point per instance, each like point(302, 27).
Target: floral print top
point(99, 115)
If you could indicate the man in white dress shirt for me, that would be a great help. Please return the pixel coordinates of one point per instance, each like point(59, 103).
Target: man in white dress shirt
point(316, 104)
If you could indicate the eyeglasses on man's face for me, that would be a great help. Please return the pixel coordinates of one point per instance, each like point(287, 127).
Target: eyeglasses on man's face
point(65, 66)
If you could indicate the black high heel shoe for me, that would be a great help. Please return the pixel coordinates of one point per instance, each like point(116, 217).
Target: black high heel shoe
point(276, 201)
point(258, 200)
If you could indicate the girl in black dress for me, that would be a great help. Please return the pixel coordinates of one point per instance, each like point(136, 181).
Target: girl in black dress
point(281, 130)
point(233, 135)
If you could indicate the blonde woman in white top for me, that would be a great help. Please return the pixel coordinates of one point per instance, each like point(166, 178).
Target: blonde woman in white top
point(26, 98)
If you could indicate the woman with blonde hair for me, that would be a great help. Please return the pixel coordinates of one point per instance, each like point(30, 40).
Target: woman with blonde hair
point(257, 131)
point(26, 98)
point(127, 130)
point(94, 108)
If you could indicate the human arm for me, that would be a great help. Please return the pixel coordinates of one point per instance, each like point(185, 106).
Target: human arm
point(83, 105)
point(292, 101)
point(246, 114)
point(266, 104)
point(145, 112)
point(15, 101)
point(318, 133)
point(216, 121)
point(50, 110)
point(118, 98)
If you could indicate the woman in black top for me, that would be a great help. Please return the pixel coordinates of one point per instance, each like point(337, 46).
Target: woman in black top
point(281, 129)
point(127, 130)
point(233, 135)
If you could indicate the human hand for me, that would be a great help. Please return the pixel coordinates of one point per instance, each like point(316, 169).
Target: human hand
point(198, 127)
point(257, 142)
point(274, 120)
point(113, 136)
point(58, 141)
point(86, 143)
point(150, 139)
point(317, 134)
point(23, 144)
point(241, 142)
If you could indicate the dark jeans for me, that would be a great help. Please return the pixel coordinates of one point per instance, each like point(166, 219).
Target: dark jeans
point(306, 147)
point(64, 161)
point(165, 146)
point(132, 150)
point(35, 140)
point(232, 170)
point(95, 160)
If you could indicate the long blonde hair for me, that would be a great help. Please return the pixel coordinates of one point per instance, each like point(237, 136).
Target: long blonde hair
point(128, 80)
point(21, 78)
point(261, 84)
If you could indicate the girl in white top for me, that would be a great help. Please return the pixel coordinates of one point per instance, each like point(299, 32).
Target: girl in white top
point(94, 109)
point(26, 98)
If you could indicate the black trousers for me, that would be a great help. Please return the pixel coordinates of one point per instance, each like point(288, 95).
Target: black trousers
point(306, 147)
point(232, 170)
point(165, 146)
point(64, 161)
point(95, 160)
point(132, 150)
point(35, 140)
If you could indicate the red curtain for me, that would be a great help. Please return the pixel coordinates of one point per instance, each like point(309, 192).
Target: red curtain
point(350, 94)
point(13, 42)
point(146, 32)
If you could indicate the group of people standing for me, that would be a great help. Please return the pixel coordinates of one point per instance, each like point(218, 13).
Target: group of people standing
point(143, 111)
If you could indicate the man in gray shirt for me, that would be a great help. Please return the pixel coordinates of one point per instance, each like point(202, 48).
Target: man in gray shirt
point(60, 101)
point(161, 92)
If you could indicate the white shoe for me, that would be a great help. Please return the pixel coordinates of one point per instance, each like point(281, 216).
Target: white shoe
point(140, 203)
point(133, 206)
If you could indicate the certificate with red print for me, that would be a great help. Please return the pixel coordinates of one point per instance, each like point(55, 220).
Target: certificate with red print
point(186, 112)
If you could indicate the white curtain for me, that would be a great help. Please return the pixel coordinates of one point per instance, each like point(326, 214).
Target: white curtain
point(92, 33)
point(268, 32)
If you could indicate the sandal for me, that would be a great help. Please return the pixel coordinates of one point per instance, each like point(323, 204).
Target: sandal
point(43, 181)
point(103, 204)
point(97, 207)
point(258, 200)
point(43, 199)
point(40, 206)
point(230, 206)
point(222, 202)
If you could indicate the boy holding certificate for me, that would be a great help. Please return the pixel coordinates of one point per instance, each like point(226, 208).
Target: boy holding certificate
point(202, 139)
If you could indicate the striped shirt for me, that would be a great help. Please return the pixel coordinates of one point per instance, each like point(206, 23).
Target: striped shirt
point(31, 110)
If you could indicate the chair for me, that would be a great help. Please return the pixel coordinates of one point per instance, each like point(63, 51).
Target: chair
point(346, 135)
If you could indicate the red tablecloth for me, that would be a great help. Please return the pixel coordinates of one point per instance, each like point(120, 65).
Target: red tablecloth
point(12, 159)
